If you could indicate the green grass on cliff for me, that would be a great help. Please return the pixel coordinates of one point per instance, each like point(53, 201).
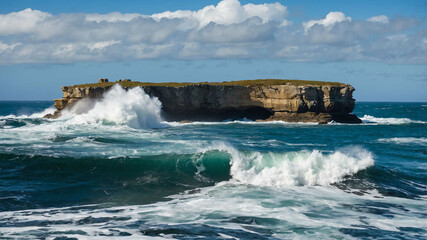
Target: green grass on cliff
point(258, 82)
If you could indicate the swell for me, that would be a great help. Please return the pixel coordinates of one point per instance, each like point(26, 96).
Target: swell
point(20, 122)
point(33, 181)
point(28, 181)
point(37, 181)
point(388, 182)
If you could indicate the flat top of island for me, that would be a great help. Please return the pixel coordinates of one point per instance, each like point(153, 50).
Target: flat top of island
point(257, 82)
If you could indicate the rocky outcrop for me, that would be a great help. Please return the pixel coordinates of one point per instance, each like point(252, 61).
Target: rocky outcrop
point(320, 103)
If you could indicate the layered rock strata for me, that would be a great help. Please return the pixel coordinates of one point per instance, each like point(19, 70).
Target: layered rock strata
point(209, 102)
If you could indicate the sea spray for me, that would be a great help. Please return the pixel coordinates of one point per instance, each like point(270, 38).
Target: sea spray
point(132, 107)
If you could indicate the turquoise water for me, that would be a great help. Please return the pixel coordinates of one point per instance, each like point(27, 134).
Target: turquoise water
point(118, 170)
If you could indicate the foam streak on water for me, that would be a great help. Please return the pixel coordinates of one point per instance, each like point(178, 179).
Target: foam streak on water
point(295, 212)
point(405, 140)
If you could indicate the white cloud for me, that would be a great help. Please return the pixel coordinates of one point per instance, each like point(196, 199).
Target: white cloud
point(227, 30)
point(102, 45)
point(226, 52)
point(112, 17)
point(328, 22)
point(225, 13)
point(7, 47)
point(230, 12)
point(21, 22)
point(380, 19)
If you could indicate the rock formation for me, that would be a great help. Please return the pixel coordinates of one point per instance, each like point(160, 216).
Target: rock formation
point(291, 102)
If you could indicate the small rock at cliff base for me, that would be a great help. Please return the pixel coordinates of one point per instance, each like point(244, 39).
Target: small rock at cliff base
point(55, 115)
point(346, 118)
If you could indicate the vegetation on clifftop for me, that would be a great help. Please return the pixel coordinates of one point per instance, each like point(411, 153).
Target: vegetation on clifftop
point(258, 82)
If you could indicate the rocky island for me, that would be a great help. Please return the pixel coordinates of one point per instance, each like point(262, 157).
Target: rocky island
point(260, 100)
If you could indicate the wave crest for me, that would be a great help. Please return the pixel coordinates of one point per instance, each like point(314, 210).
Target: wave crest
point(296, 168)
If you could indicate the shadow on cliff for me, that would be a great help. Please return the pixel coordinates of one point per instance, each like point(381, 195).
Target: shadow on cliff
point(204, 114)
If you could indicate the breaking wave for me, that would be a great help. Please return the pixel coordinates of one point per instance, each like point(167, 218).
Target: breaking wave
point(388, 121)
point(298, 168)
point(294, 168)
point(132, 107)
point(204, 167)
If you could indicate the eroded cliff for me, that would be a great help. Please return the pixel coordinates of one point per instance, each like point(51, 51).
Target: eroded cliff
point(265, 100)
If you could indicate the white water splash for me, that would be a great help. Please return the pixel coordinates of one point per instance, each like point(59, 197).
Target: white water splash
point(132, 107)
point(34, 115)
point(42, 113)
point(388, 121)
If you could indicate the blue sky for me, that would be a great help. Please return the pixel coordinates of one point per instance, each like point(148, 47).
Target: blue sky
point(380, 47)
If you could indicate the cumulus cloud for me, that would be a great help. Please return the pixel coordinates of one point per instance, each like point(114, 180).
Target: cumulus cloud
point(380, 19)
point(228, 30)
point(328, 22)
point(21, 22)
point(226, 12)
point(230, 12)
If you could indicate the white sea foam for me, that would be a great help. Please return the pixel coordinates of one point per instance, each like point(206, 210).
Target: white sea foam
point(244, 121)
point(80, 140)
point(405, 140)
point(286, 208)
point(131, 107)
point(388, 121)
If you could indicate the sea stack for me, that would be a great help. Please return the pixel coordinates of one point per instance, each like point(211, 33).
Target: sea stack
point(260, 100)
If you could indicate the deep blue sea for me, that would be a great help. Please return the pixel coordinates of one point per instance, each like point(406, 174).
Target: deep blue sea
point(113, 168)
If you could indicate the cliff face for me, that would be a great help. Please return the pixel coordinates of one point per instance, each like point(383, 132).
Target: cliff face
point(292, 103)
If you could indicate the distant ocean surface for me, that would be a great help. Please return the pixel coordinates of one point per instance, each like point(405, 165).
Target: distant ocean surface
point(114, 168)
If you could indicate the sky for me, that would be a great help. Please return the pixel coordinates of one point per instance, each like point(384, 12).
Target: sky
point(379, 47)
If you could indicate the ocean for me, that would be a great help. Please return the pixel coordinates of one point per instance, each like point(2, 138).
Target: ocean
point(113, 168)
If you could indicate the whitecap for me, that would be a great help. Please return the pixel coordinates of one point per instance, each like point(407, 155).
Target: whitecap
point(388, 121)
point(405, 140)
